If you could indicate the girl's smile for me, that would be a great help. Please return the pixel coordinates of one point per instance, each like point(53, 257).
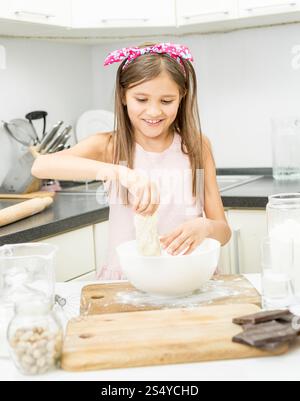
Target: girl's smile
point(153, 123)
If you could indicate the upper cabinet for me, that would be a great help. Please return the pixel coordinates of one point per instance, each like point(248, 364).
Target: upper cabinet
point(50, 12)
point(120, 13)
point(115, 18)
point(254, 8)
point(193, 12)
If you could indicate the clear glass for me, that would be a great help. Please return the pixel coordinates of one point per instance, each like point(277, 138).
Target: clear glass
point(283, 213)
point(35, 337)
point(285, 146)
point(277, 282)
point(26, 271)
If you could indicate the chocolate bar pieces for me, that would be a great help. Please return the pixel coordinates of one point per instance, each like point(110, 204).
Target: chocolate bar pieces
point(267, 330)
point(267, 333)
point(263, 317)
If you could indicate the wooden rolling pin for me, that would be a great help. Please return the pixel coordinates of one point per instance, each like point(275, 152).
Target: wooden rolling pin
point(22, 210)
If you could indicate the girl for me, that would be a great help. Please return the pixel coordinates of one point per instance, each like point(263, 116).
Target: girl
point(157, 130)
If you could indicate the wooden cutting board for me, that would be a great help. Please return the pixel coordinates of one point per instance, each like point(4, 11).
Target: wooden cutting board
point(105, 298)
point(146, 338)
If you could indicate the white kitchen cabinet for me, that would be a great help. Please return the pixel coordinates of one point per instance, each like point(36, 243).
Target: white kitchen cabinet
point(6, 9)
point(75, 255)
point(248, 227)
point(100, 243)
point(192, 12)
point(51, 12)
point(253, 8)
point(120, 13)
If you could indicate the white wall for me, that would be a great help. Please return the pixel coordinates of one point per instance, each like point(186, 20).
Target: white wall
point(42, 76)
point(244, 78)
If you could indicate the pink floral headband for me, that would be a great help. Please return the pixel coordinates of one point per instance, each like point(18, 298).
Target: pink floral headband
point(177, 52)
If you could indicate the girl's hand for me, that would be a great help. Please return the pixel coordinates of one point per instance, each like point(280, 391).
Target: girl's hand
point(188, 235)
point(146, 193)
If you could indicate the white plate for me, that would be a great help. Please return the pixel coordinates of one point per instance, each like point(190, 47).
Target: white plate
point(92, 122)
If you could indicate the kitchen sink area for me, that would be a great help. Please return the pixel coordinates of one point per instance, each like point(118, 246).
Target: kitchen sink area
point(226, 182)
point(88, 187)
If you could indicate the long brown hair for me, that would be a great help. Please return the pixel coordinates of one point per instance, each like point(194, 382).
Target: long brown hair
point(187, 123)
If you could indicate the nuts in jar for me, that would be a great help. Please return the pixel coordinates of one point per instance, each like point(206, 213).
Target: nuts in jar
point(35, 339)
point(36, 349)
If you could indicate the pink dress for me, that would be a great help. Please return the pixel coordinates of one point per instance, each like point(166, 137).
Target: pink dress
point(171, 171)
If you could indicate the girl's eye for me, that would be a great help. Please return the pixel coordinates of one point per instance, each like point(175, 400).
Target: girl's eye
point(163, 101)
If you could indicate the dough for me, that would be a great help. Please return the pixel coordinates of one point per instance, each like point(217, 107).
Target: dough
point(148, 243)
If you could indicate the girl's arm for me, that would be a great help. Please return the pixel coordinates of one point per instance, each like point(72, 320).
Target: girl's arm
point(217, 224)
point(92, 160)
point(85, 161)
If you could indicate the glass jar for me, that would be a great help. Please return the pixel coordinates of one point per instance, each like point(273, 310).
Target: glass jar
point(283, 214)
point(283, 211)
point(26, 271)
point(35, 337)
point(286, 148)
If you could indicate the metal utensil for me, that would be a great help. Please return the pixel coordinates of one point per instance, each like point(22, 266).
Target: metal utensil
point(48, 138)
point(58, 139)
point(61, 145)
point(65, 139)
point(10, 129)
point(58, 148)
point(19, 176)
point(25, 129)
point(37, 115)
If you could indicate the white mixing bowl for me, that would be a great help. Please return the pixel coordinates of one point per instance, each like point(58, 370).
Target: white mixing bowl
point(169, 275)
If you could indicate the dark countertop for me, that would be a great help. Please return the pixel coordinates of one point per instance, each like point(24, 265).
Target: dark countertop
point(255, 194)
point(68, 212)
point(72, 211)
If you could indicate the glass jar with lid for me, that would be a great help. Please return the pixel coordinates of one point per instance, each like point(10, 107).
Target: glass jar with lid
point(35, 337)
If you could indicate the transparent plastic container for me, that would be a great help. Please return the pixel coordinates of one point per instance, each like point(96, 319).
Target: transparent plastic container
point(26, 271)
point(286, 149)
point(35, 337)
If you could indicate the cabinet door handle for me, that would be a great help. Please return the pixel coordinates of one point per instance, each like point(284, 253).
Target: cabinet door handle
point(266, 6)
point(20, 12)
point(225, 12)
point(104, 20)
point(236, 249)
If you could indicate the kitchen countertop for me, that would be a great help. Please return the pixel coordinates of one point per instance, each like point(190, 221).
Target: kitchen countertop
point(69, 211)
point(255, 194)
point(274, 368)
point(74, 210)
